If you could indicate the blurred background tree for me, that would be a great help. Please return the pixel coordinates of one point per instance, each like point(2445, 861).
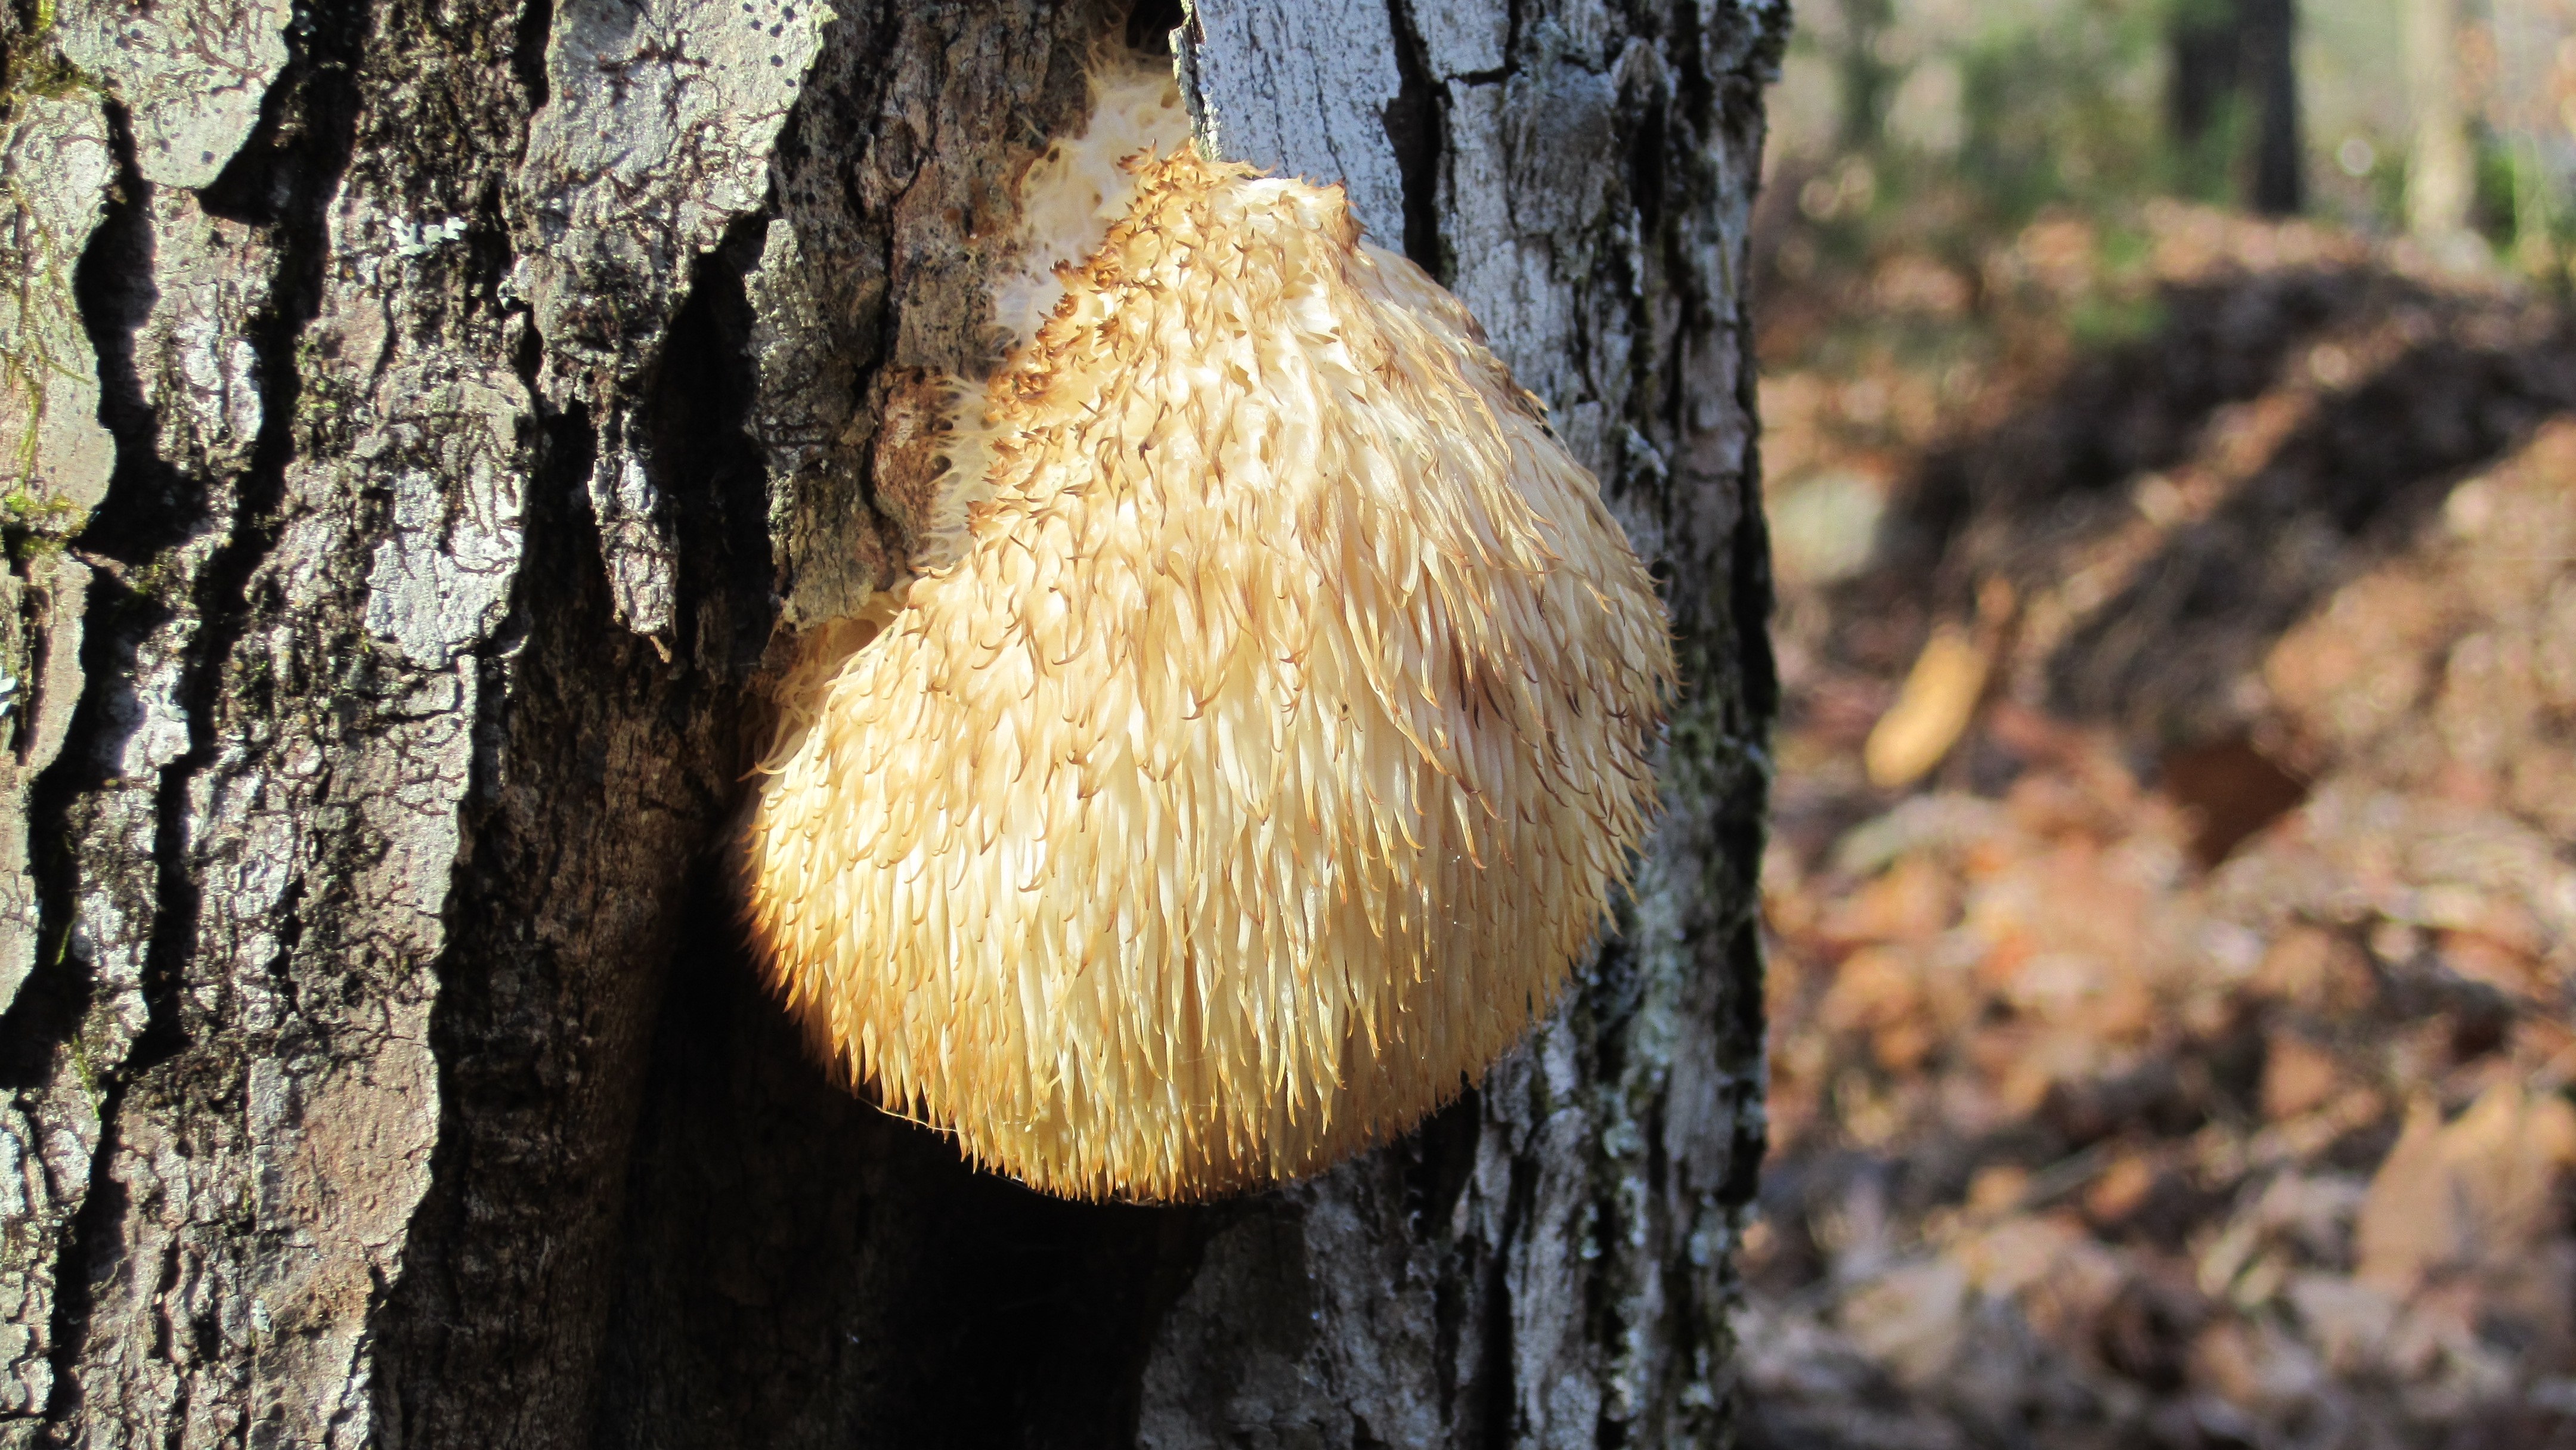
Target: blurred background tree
point(2234, 95)
point(2449, 119)
point(2440, 179)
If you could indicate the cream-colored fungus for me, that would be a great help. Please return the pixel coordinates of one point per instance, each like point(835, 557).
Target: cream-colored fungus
point(1263, 736)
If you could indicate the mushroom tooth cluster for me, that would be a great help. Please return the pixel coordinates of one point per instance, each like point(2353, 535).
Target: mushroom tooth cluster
point(1267, 749)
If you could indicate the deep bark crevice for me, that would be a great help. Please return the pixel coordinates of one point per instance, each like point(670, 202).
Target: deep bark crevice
point(50, 1004)
point(1495, 1369)
point(89, 1247)
point(111, 286)
point(1750, 603)
point(464, 1324)
point(708, 466)
point(302, 175)
point(55, 1004)
point(528, 51)
point(146, 509)
point(1442, 1164)
point(1752, 1136)
point(1150, 25)
point(1416, 121)
point(1647, 177)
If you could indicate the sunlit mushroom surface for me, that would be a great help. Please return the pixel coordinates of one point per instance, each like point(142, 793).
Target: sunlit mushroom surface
point(1266, 729)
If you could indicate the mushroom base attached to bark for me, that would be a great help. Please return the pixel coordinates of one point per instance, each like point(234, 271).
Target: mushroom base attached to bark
point(1260, 747)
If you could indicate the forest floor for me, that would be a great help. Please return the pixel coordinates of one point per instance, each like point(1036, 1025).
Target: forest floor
point(2171, 910)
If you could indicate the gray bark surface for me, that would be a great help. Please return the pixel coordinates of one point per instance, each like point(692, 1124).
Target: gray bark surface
point(428, 422)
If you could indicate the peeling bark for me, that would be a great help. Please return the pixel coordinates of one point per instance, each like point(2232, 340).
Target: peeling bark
point(429, 420)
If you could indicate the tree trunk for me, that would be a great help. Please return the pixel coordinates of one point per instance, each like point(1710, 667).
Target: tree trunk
point(2278, 186)
point(2440, 184)
point(2235, 59)
point(1867, 77)
point(430, 419)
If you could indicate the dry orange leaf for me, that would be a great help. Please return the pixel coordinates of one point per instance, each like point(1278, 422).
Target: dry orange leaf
point(2476, 1193)
point(1931, 712)
point(2297, 1076)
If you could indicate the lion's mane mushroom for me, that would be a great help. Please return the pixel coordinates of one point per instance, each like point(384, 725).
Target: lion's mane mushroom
point(1264, 732)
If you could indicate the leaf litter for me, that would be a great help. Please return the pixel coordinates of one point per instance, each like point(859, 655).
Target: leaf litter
point(2171, 910)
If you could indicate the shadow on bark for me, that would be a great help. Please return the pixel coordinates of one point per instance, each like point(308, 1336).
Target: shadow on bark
point(804, 1269)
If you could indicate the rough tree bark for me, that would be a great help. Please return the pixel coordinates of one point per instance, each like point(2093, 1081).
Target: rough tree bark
point(429, 419)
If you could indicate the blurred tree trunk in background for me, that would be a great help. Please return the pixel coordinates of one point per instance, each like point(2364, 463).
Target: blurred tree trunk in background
point(1867, 77)
point(2522, 111)
point(428, 418)
point(2440, 180)
point(2235, 82)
